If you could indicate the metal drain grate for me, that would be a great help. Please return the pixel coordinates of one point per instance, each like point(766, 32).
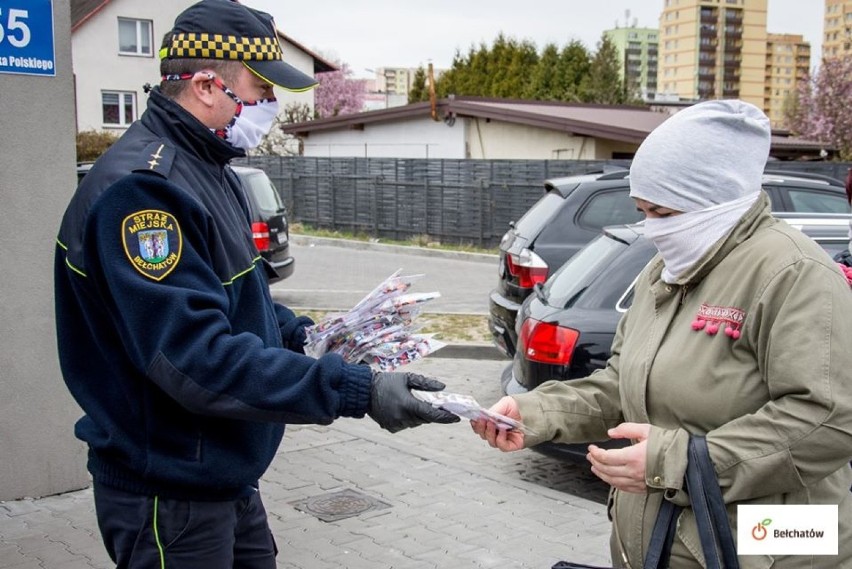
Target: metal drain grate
point(339, 505)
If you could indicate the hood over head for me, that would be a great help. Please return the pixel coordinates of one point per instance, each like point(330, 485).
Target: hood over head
point(708, 154)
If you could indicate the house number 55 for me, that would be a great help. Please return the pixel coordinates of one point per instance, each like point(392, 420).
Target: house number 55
point(16, 31)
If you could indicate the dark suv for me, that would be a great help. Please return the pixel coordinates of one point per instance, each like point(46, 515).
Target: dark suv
point(269, 226)
point(573, 211)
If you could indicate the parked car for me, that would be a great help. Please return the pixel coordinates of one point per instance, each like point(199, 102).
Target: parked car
point(566, 328)
point(269, 226)
point(573, 211)
point(83, 169)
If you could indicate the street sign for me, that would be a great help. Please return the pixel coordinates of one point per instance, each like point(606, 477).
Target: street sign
point(26, 37)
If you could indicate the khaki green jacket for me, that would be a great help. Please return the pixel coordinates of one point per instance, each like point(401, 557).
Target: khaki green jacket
point(773, 395)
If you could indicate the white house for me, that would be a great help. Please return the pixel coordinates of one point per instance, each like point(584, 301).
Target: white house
point(114, 47)
point(481, 128)
point(469, 127)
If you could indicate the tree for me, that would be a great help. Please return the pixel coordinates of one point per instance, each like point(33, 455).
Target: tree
point(477, 75)
point(544, 83)
point(279, 143)
point(497, 66)
point(338, 93)
point(819, 109)
point(419, 90)
point(469, 75)
point(448, 83)
point(501, 70)
point(514, 69)
point(521, 63)
point(574, 63)
point(603, 83)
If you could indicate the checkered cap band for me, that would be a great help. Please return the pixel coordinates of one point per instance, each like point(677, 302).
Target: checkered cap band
point(218, 46)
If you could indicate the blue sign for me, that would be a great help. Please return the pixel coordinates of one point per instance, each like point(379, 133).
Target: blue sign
point(26, 37)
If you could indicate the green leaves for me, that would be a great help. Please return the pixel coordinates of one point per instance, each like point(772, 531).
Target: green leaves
point(514, 69)
point(419, 91)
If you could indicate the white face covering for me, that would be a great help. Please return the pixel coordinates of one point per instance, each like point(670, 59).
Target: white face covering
point(251, 123)
point(683, 239)
point(252, 120)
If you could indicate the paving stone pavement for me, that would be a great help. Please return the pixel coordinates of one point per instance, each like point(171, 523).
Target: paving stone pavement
point(454, 502)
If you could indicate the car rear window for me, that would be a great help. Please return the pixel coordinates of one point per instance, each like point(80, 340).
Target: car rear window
point(538, 215)
point(613, 207)
point(565, 286)
point(265, 195)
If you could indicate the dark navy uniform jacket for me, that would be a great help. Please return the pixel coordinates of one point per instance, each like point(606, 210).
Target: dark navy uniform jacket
point(168, 337)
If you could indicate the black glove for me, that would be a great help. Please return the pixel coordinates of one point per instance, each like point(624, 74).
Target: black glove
point(393, 406)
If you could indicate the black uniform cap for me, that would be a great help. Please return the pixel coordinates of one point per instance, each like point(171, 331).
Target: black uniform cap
point(226, 29)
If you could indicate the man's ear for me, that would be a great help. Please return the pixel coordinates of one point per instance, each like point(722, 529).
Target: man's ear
point(202, 87)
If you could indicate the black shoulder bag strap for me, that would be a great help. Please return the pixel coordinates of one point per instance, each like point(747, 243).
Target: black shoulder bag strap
point(660, 546)
point(714, 528)
point(705, 496)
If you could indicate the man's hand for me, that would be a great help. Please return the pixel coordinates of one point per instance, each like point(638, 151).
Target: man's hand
point(623, 468)
point(504, 439)
point(393, 406)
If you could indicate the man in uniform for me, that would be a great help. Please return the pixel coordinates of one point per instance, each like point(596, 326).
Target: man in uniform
point(168, 337)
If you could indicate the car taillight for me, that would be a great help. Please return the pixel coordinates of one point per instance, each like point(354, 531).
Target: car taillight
point(528, 267)
point(260, 233)
point(548, 343)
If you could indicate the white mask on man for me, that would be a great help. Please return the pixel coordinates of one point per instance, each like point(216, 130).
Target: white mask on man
point(252, 122)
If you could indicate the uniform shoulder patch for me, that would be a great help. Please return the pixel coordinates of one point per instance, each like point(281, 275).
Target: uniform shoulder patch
point(153, 242)
point(156, 158)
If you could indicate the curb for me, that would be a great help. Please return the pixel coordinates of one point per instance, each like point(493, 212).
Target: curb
point(307, 240)
point(470, 352)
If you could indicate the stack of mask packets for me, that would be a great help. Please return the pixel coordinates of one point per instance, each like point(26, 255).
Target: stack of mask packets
point(379, 330)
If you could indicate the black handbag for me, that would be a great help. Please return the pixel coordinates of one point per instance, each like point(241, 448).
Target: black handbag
point(705, 497)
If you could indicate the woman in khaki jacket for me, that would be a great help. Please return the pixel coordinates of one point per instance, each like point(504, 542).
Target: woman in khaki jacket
point(741, 329)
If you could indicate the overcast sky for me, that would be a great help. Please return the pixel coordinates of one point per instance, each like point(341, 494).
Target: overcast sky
point(367, 34)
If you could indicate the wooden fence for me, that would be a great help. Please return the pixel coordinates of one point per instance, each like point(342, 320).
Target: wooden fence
point(451, 201)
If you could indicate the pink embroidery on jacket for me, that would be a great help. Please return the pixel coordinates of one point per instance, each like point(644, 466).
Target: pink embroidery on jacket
point(711, 318)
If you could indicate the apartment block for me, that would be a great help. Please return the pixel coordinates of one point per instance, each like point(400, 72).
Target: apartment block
point(837, 29)
point(638, 50)
point(394, 80)
point(788, 58)
point(724, 39)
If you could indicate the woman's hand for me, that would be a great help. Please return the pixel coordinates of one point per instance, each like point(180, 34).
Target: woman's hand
point(623, 468)
point(504, 439)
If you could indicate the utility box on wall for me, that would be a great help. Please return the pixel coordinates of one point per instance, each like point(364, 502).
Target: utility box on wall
point(40, 455)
